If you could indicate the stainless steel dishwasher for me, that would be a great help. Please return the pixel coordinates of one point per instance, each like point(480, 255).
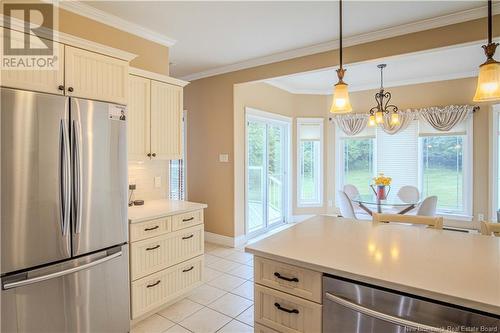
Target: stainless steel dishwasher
point(350, 306)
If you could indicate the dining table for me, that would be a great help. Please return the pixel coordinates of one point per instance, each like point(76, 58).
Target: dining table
point(365, 201)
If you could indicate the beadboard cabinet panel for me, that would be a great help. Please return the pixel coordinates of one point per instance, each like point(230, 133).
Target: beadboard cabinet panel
point(95, 76)
point(47, 81)
point(166, 121)
point(138, 131)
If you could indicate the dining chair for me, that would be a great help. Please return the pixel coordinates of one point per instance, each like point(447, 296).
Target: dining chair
point(346, 208)
point(351, 191)
point(490, 229)
point(428, 206)
point(408, 194)
point(433, 222)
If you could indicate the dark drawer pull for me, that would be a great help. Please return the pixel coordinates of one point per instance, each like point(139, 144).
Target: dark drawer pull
point(153, 284)
point(279, 307)
point(187, 237)
point(187, 269)
point(279, 276)
point(189, 219)
point(152, 228)
point(152, 248)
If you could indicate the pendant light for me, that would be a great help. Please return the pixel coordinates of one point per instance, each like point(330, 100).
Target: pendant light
point(488, 80)
point(341, 103)
point(383, 97)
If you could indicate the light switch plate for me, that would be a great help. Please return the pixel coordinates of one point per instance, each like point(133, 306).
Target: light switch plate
point(158, 181)
point(224, 158)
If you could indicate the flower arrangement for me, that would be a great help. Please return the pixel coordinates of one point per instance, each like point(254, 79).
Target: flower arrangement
point(382, 180)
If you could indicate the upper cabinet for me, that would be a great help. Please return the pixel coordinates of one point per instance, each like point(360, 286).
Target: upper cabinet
point(79, 73)
point(95, 76)
point(155, 108)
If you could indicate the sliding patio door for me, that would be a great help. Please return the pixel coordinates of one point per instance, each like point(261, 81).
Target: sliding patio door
point(267, 162)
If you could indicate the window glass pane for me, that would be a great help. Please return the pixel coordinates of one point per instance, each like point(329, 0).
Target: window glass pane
point(442, 167)
point(310, 171)
point(358, 163)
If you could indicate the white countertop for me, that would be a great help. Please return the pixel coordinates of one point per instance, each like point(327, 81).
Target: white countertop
point(159, 208)
point(454, 267)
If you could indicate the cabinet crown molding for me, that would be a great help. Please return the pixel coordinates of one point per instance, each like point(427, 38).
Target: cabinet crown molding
point(67, 39)
point(157, 77)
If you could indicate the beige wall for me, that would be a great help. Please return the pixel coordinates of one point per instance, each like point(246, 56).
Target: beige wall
point(210, 104)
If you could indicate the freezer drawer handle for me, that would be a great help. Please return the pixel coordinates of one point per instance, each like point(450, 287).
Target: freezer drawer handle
point(418, 327)
point(279, 307)
point(189, 219)
point(187, 269)
point(279, 276)
point(152, 228)
point(153, 284)
point(152, 248)
point(187, 237)
point(26, 282)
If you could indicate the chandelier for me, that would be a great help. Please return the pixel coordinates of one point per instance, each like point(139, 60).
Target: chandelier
point(383, 107)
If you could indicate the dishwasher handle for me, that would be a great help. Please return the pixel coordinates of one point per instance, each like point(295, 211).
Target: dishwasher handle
point(383, 316)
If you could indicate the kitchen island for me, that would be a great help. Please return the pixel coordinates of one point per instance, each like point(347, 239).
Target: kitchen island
point(449, 267)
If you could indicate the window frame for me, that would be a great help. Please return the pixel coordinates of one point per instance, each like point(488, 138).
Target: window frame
point(320, 201)
point(494, 163)
point(464, 218)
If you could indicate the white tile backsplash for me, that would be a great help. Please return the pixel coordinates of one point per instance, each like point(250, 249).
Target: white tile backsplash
point(143, 174)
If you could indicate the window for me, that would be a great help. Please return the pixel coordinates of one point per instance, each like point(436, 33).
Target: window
point(358, 162)
point(495, 163)
point(442, 171)
point(177, 170)
point(310, 162)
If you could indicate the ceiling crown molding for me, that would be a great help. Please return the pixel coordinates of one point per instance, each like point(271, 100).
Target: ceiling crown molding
point(95, 14)
point(427, 24)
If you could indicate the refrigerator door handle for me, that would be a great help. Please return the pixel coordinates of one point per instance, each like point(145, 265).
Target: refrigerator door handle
point(54, 275)
point(78, 191)
point(65, 177)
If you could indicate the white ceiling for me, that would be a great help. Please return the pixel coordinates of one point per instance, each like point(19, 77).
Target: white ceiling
point(432, 65)
point(213, 35)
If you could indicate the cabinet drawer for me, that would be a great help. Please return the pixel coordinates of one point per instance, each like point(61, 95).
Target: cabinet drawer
point(288, 278)
point(157, 253)
point(258, 328)
point(286, 313)
point(185, 220)
point(148, 229)
point(157, 289)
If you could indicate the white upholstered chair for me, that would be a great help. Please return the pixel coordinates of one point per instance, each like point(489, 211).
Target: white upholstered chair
point(346, 209)
point(351, 191)
point(408, 194)
point(428, 206)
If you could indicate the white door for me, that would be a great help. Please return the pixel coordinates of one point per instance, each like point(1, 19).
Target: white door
point(267, 162)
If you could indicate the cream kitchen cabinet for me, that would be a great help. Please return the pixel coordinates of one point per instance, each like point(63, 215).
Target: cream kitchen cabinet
point(78, 73)
point(95, 76)
point(155, 116)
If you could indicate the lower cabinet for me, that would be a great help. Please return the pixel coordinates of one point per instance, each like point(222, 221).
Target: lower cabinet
point(159, 288)
point(166, 260)
point(287, 298)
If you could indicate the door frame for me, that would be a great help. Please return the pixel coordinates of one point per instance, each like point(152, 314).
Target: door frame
point(286, 122)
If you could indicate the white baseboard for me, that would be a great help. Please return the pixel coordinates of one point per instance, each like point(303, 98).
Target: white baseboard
point(301, 218)
point(225, 240)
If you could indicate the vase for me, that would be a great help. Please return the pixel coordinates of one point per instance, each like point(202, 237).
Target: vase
point(382, 191)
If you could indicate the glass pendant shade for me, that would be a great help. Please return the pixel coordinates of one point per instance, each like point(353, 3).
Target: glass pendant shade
point(379, 117)
point(394, 119)
point(488, 82)
point(341, 102)
point(371, 121)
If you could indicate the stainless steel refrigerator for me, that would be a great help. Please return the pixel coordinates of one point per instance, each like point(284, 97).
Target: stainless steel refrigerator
point(64, 259)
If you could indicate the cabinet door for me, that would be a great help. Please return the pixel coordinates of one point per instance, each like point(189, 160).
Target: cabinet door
point(95, 76)
point(35, 80)
point(138, 118)
point(166, 121)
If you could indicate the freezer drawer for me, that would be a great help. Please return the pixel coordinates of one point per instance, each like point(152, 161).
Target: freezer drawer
point(88, 294)
point(355, 307)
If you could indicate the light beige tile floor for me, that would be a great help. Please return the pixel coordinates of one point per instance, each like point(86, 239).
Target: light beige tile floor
point(223, 303)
